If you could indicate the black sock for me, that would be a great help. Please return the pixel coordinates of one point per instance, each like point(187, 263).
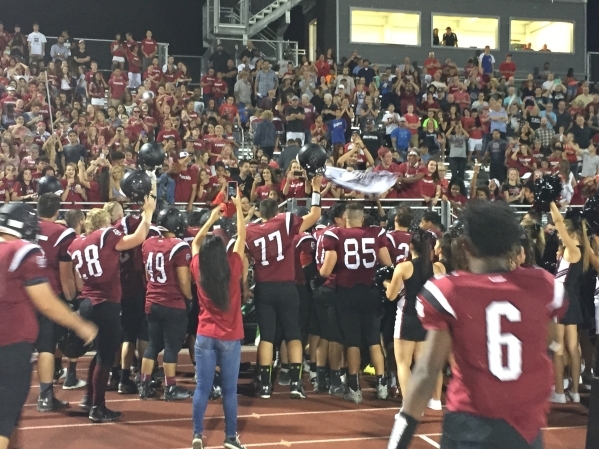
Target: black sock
point(72, 370)
point(114, 372)
point(321, 376)
point(265, 374)
point(335, 377)
point(285, 366)
point(295, 372)
point(46, 390)
point(313, 367)
point(343, 371)
point(125, 373)
point(57, 364)
point(352, 381)
point(380, 380)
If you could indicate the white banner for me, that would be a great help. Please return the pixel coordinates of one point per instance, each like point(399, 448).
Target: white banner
point(364, 182)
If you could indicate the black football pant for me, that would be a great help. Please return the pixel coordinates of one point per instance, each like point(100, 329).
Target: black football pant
point(166, 327)
point(465, 431)
point(15, 382)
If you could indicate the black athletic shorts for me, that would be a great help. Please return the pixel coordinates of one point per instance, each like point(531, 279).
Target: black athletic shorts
point(133, 318)
point(325, 304)
point(277, 302)
point(305, 310)
point(465, 431)
point(359, 314)
point(15, 381)
point(50, 333)
point(194, 312)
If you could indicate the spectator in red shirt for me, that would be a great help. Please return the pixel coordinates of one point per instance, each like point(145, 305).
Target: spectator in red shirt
point(219, 88)
point(116, 88)
point(322, 66)
point(134, 63)
point(387, 164)
point(206, 82)
point(74, 192)
point(118, 52)
point(294, 185)
point(149, 48)
point(507, 67)
point(229, 111)
point(130, 42)
point(186, 177)
point(431, 65)
point(169, 133)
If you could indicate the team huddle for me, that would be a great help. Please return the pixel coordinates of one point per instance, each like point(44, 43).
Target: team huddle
point(334, 288)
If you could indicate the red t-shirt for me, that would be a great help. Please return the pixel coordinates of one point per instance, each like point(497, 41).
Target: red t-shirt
point(412, 119)
point(117, 87)
point(219, 88)
point(116, 48)
point(270, 243)
point(428, 187)
point(161, 257)
point(149, 46)
point(297, 188)
point(408, 171)
point(213, 322)
point(209, 81)
point(498, 325)
point(228, 111)
point(184, 182)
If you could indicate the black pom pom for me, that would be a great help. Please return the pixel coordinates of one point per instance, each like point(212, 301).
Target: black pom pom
point(546, 189)
point(383, 274)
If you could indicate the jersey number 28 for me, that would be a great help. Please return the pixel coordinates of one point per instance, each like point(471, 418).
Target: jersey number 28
point(91, 256)
point(496, 341)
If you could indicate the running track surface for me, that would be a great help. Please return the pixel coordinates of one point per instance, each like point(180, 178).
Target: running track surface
point(320, 421)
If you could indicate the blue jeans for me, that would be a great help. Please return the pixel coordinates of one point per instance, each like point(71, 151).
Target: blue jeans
point(209, 353)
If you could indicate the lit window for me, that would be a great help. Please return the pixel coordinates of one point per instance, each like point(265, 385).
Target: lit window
point(539, 35)
point(470, 31)
point(385, 27)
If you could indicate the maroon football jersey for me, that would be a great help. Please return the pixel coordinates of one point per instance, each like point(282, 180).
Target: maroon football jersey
point(161, 257)
point(190, 234)
point(55, 239)
point(303, 254)
point(132, 266)
point(22, 264)
point(270, 243)
point(398, 244)
point(98, 263)
point(498, 324)
point(357, 253)
point(320, 253)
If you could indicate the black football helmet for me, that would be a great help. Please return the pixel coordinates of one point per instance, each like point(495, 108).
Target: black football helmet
point(312, 157)
point(194, 217)
point(150, 156)
point(19, 220)
point(323, 222)
point(171, 219)
point(49, 184)
point(136, 185)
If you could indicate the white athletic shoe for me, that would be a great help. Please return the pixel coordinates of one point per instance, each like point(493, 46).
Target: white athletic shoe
point(73, 385)
point(382, 392)
point(557, 398)
point(435, 404)
point(575, 397)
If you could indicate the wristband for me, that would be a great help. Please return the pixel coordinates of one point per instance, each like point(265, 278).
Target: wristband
point(403, 431)
point(316, 199)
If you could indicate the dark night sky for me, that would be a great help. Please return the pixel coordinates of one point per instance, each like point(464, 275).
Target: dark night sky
point(178, 22)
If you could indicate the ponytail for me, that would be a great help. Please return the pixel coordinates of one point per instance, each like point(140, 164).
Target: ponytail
point(421, 242)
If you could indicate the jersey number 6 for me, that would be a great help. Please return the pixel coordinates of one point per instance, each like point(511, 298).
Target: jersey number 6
point(496, 340)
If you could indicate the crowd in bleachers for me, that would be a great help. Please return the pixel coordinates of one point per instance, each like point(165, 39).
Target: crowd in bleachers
point(245, 119)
